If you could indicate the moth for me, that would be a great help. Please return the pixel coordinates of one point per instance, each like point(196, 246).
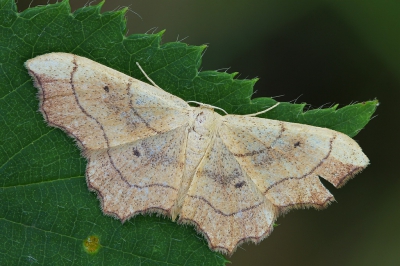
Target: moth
point(149, 151)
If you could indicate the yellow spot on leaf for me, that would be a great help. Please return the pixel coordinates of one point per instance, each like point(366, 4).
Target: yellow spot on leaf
point(91, 244)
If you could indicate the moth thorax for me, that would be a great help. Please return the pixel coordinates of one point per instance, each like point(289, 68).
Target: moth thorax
point(204, 120)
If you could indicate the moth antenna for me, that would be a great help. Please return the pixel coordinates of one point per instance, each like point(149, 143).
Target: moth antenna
point(209, 105)
point(272, 107)
point(148, 78)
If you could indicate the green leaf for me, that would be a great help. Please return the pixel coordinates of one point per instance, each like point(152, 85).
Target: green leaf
point(47, 214)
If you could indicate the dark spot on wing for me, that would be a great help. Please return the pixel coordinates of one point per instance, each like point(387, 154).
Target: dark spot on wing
point(106, 88)
point(136, 152)
point(297, 144)
point(240, 184)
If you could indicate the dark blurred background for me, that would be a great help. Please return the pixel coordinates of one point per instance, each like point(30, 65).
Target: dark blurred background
point(320, 52)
